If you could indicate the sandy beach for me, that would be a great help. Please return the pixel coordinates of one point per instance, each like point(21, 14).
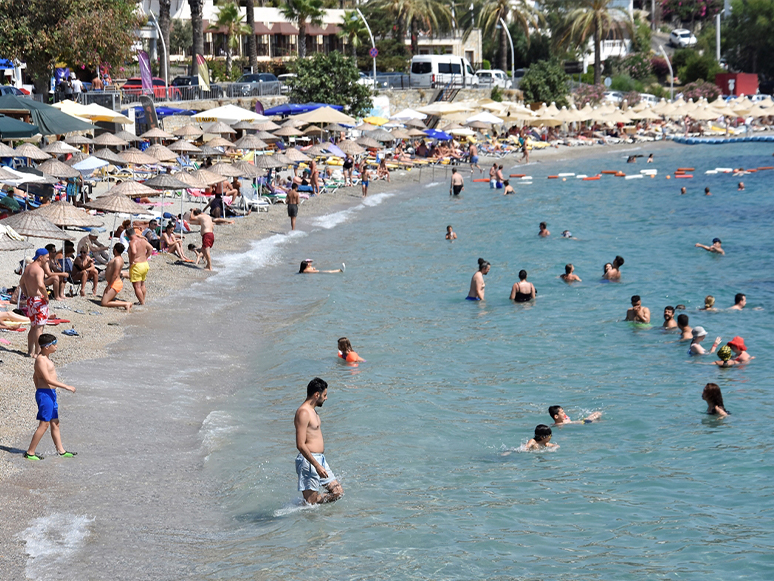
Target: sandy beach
point(99, 327)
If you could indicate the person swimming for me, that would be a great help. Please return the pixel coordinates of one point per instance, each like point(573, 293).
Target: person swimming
point(724, 355)
point(714, 399)
point(560, 418)
point(347, 353)
point(523, 291)
point(477, 284)
point(709, 303)
point(740, 350)
point(614, 273)
point(541, 439)
point(698, 335)
point(307, 268)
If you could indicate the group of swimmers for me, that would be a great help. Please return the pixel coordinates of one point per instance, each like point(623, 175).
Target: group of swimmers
point(543, 434)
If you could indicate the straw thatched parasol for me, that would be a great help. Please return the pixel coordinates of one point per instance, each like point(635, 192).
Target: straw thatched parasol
point(265, 126)
point(183, 146)
point(381, 135)
point(9, 244)
point(110, 140)
point(31, 151)
point(227, 170)
point(65, 214)
point(366, 127)
point(267, 162)
point(414, 133)
point(59, 147)
point(295, 155)
point(109, 156)
point(249, 141)
point(165, 182)
point(218, 127)
point(157, 133)
point(248, 169)
point(161, 153)
point(268, 137)
point(220, 142)
point(58, 169)
point(313, 130)
point(6, 151)
point(208, 177)
point(400, 134)
point(206, 150)
point(283, 159)
point(288, 132)
point(117, 203)
point(77, 158)
point(243, 125)
point(292, 122)
point(367, 142)
point(137, 158)
point(131, 189)
point(351, 147)
point(78, 140)
point(335, 127)
point(318, 149)
point(127, 136)
point(192, 180)
point(35, 226)
point(188, 131)
point(414, 123)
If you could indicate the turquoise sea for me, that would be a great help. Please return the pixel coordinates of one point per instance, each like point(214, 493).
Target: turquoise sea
point(186, 434)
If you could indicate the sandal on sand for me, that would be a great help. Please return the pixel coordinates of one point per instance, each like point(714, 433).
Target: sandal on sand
point(70, 332)
point(67, 454)
point(32, 456)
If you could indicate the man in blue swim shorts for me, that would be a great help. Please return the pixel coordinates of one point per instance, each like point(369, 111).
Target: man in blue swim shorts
point(473, 153)
point(46, 383)
point(313, 471)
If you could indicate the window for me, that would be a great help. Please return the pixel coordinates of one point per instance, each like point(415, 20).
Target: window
point(421, 68)
point(446, 68)
point(456, 69)
point(470, 71)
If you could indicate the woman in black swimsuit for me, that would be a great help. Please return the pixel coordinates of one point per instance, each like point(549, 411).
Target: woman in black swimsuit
point(523, 291)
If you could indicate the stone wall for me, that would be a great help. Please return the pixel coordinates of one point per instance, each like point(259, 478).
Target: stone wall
point(415, 98)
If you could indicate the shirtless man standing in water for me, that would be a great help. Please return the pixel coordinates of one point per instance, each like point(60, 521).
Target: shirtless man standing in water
point(312, 469)
point(208, 236)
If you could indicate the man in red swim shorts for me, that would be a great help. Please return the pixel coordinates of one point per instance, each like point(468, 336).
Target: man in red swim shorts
point(33, 286)
point(208, 237)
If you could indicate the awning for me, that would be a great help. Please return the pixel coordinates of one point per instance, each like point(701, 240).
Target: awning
point(285, 28)
point(298, 108)
point(161, 112)
point(260, 28)
point(50, 120)
point(6, 64)
point(327, 30)
point(11, 128)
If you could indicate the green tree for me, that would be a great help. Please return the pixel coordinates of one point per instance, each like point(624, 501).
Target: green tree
point(747, 39)
point(596, 19)
point(180, 36)
point(41, 33)
point(544, 82)
point(230, 19)
point(197, 32)
point(332, 79)
point(303, 12)
point(699, 68)
point(351, 27)
point(691, 11)
point(492, 11)
point(431, 16)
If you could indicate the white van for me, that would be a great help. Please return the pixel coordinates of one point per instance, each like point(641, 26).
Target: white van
point(493, 78)
point(438, 70)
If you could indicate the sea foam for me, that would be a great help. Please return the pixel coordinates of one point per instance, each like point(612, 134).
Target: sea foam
point(52, 540)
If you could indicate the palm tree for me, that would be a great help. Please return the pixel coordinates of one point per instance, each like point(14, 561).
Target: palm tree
point(490, 13)
point(197, 7)
point(351, 26)
point(303, 12)
point(230, 19)
point(164, 24)
point(597, 18)
point(430, 15)
point(252, 49)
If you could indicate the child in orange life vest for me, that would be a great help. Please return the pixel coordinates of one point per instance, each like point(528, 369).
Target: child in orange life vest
point(346, 352)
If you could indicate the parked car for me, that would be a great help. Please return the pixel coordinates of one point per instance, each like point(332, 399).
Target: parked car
point(438, 70)
point(393, 80)
point(195, 91)
point(493, 78)
point(283, 79)
point(614, 97)
point(759, 97)
point(256, 84)
point(682, 38)
point(133, 86)
point(10, 90)
point(649, 99)
point(518, 74)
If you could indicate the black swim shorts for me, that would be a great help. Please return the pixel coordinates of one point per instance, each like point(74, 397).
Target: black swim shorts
point(292, 210)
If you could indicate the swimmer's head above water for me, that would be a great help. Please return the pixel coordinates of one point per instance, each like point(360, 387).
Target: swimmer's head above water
point(483, 266)
point(542, 434)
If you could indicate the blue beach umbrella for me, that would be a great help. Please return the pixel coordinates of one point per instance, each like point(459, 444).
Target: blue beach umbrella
point(439, 135)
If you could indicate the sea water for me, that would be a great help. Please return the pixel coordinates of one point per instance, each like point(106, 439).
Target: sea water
point(186, 441)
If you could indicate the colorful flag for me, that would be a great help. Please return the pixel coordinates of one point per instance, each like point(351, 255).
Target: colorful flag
point(204, 73)
point(145, 72)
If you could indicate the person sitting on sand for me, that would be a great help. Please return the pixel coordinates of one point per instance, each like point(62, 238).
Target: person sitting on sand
point(560, 418)
point(714, 399)
point(84, 270)
point(740, 350)
point(724, 356)
point(173, 243)
point(56, 279)
point(569, 274)
point(714, 248)
point(637, 312)
point(669, 318)
point(382, 172)
point(151, 234)
point(615, 271)
point(698, 335)
point(113, 275)
point(541, 439)
point(450, 234)
point(740, 300)
point(543, 233)
point(307, 268)
point(347, 353)
point(686, 333)
point(523, 291)
point(709, 303)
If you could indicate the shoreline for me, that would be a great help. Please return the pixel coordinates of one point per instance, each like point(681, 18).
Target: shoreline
point(98, 334)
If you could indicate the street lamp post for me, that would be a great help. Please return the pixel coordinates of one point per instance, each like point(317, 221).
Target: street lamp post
point(373, 44)
point(513, 54)
point(671, 74)
point(166, 56)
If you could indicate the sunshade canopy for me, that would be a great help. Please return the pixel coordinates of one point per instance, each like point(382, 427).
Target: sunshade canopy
point(65, 214)
point(326, 115)
point(229, 114)
point(50, 120)
point(11, 128)
point(35, 226)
